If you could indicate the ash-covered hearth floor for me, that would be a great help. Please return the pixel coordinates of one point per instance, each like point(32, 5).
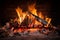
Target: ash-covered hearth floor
point(32, 37)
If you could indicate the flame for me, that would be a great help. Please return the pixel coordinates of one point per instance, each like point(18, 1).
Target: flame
point(48, 20)
point(20, 14)
point(33, 10)
point(40, 14)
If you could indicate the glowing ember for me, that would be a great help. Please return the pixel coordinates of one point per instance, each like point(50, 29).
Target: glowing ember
point(33, 29)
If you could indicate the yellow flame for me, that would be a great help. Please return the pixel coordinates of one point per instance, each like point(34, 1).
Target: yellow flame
point(33, 10)
point(20, 14)
point(48, 20)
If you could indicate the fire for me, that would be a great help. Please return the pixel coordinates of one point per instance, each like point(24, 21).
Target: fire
point(20, 14)
point(48, 20)
point(40, 14)
point(33, 10)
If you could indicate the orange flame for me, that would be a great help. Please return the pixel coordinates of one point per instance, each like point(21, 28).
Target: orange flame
point(33, 10)
point(48, 20)
point(20, 14)
point(40, 14)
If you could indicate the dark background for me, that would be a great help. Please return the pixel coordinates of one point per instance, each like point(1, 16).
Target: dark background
point(7, 9)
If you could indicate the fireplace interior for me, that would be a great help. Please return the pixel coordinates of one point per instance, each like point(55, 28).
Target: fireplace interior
point(29, 18)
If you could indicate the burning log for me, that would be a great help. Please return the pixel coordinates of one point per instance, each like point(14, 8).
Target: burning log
point(39, 19)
